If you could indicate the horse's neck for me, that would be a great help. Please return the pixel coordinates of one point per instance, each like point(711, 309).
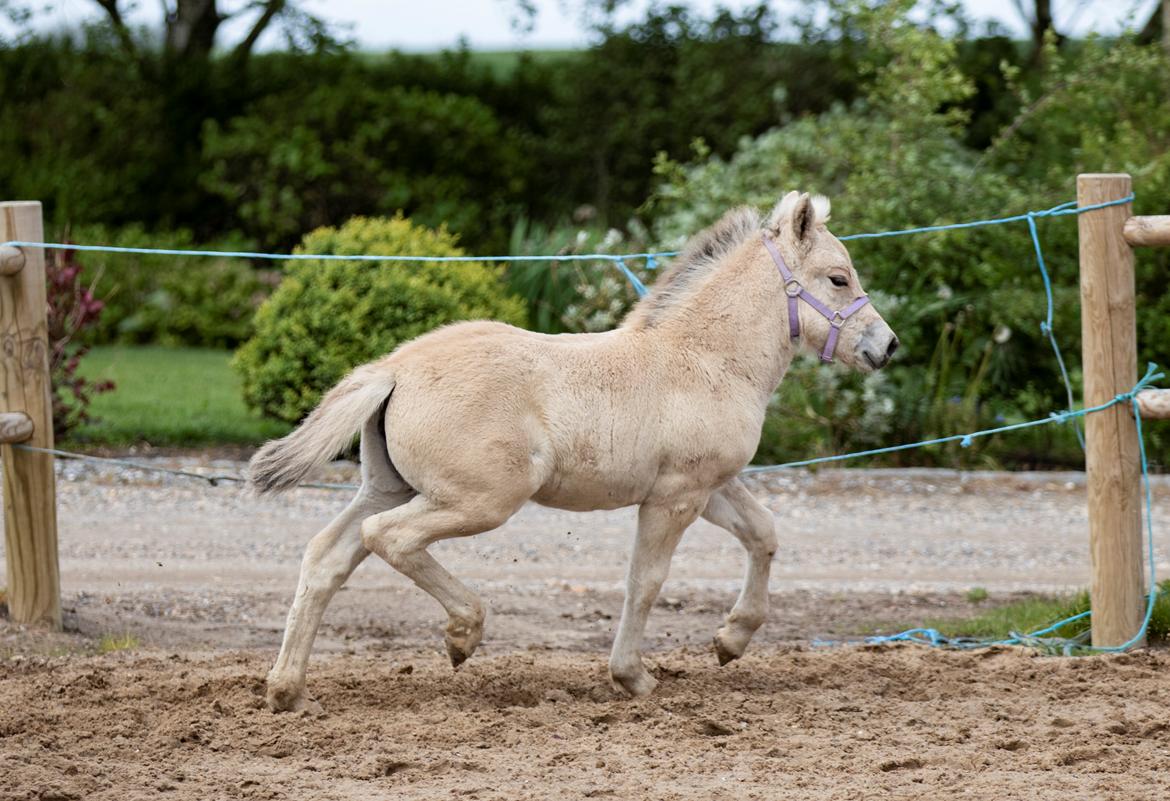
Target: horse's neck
point(735, 317)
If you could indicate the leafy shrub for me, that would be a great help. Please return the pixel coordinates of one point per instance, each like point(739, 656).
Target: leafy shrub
point(169, 300)
point(575, 296)
point(72, 310)
point(327, 317)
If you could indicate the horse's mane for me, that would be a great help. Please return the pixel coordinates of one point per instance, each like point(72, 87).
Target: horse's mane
point(702, 253)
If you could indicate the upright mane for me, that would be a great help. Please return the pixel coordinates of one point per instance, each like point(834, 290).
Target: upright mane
point(702, 253)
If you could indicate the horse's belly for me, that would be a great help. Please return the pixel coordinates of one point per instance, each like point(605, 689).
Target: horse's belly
point(585, 489)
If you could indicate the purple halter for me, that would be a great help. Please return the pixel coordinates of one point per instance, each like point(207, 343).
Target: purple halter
point(794, 290)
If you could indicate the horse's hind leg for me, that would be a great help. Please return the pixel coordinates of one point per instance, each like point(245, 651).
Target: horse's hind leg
point(735, 509)
point(329, 559)
point(401, 537)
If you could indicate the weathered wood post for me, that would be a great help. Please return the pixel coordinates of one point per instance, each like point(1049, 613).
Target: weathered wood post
point(26, 415)
point(1109, 348)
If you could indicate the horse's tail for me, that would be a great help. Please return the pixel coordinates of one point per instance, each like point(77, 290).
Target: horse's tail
point(283, 463)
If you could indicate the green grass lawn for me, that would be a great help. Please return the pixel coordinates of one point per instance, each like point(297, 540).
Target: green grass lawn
point(169, 397)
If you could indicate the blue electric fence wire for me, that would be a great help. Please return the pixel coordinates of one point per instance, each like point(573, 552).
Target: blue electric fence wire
point(376, 257)
point(635, 282)
point(1046, 325)
point(1068, 207)
point(965, 440)
point(650, 257)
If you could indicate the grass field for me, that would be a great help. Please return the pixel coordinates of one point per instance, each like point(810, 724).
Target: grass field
point(169, 397)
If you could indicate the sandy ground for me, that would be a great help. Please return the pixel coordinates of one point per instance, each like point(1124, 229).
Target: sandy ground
point(200, 578)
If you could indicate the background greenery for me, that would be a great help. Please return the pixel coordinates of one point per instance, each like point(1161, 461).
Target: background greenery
point(327, 317)
point(904, 113)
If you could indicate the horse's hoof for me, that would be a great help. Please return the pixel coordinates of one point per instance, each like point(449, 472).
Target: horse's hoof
point(287, 697)
point(458, 655)
point(724, 653)
point(308, 708)
point(636, 684)
point(462, 638)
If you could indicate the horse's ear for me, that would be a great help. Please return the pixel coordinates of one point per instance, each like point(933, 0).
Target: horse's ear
point(797, 213)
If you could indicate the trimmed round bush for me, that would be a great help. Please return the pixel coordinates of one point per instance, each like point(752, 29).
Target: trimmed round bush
point(327, 317)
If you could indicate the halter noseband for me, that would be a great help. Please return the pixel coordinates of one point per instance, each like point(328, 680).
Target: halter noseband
point(794, 290)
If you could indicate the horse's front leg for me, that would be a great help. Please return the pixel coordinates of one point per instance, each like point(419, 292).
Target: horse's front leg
point(660, 526)
point(737, 510)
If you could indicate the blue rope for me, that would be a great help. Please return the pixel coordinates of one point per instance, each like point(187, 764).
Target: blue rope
point(1060, 210)
point(934, 638)
point(635, 282)
point(966, 440)
point(651, 257)
point(248, 254)
point(1046, 325)
point(619, 260)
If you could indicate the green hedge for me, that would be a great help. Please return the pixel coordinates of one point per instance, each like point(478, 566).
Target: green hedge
point(327, 317)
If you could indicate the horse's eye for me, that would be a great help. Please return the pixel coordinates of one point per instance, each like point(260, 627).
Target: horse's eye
point(839, 280)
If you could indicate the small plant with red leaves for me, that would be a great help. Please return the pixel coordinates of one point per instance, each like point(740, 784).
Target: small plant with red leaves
point(72, 310)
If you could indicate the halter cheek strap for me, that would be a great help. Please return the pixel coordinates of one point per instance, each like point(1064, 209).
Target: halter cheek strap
point(794, 291)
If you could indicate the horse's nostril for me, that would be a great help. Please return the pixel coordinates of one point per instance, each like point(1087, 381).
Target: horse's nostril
point(893, 347)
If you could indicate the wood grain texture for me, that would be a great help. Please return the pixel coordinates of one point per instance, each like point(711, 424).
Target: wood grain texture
point(1148, 231)
point(30, 503)
point(15, 427)
point(1109, 351)
point(1154, 404)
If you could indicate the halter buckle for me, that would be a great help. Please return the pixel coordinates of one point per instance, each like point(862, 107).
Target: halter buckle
point(792, 288)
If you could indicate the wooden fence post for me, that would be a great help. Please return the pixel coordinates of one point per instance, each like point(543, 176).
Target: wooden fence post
point(1109, 349)
point(26, 415)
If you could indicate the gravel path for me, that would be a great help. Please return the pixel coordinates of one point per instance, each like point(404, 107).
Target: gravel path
point(177, 561)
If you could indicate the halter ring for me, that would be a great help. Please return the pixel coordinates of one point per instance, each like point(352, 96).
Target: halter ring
point(792, 288)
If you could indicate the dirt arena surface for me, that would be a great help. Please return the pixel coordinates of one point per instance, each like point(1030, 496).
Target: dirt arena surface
point(195, 582)
point(855, 723)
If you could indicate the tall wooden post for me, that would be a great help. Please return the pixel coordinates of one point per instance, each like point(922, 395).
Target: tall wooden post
point(1109, 350)
point(30, 497)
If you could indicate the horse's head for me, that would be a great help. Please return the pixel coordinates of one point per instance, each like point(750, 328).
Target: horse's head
point(828, 309)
